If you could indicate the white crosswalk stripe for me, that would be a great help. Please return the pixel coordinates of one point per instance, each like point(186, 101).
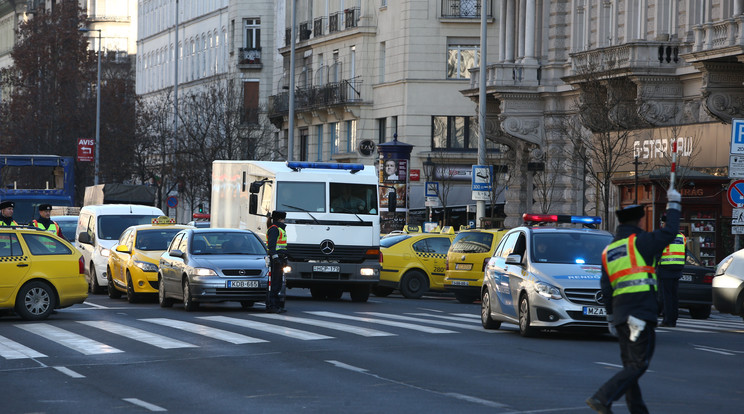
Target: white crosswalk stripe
point(328, 325)
point(260, 326)
point(475, 320)
point(13, 350)
point(426, 329)
point(69, 339)
point(140, 335)
point(204, 330)
point(429, 321)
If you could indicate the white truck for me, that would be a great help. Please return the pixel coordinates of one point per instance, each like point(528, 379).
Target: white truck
point(333, 219)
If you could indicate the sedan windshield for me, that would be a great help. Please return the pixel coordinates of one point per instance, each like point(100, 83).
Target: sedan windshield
point(148, 240)
point(227, 243)
point(569, 248)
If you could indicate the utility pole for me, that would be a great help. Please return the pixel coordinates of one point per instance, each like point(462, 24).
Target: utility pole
point(480, 205)
point(635, 164)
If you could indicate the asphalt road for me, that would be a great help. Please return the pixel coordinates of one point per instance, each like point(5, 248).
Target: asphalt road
point(389, 355)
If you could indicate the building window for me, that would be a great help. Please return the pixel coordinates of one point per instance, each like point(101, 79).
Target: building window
point(460, 59)
point(394, 124)
point(382, 62)
point(333, 135)
point(250, 102)
point(252, 33)
point(458, 133)
point(303, 144)
point(320, 143)
point(381, 127)
point(351, 135)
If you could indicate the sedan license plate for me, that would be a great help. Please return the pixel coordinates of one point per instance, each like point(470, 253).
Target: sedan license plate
point(686, 278)
point(594, 311)
point(242, 283)
point(327, 269)
point(463, 266)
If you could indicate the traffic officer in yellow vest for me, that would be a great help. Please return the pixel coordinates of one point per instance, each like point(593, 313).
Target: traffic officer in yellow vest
point(668, 272)
point(6, 214)
point(276, 240)
point(44, 222)
point(629, 287)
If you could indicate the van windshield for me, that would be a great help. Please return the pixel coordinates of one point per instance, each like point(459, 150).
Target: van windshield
point(353, 198)
point(297, 196)
point(110, 227)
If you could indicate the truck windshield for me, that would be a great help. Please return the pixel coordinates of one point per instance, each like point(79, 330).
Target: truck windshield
point(297, 196)
point(110, 227)
point(353, 198)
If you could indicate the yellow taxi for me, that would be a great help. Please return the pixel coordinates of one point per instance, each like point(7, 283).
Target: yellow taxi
point(39, 272)
point(412, 263)
point(133, 262)
point(466, 262)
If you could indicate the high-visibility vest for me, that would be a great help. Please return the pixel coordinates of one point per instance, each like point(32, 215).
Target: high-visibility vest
point(626, 268)
point(12, 223)
point(281, 241)
point(53, 228)
point(674, 254)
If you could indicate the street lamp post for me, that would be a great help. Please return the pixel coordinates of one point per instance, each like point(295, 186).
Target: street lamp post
point(429, 173)
point(98, 103)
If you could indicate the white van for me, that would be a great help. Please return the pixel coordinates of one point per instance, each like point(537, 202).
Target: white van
point(98, 230)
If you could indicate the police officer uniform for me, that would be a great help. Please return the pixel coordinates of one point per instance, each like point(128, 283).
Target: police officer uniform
point(6, 216)
point(668, 272)
point(45, 223)
point(276, 240)
point(629, 279)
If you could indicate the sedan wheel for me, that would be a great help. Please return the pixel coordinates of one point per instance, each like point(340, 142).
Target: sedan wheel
point(35, 301)
point(524, 317)
point(163, 300)
point(188, 301)
point(486, 320)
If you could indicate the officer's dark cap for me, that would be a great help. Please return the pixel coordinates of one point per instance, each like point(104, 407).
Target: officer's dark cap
point(45, 207)
point(630, 213)
point(7, 204)
point(278, 215)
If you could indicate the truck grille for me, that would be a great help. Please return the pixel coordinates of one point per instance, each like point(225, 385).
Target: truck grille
point(583, 296)
point(342, 254)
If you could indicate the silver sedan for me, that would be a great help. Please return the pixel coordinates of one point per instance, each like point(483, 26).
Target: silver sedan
point(213, 265)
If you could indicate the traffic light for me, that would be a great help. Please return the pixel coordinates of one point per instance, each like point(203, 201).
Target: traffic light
point(200, 208)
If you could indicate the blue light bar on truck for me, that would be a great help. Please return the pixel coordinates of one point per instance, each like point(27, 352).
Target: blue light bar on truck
point(298, 165)
point(560, 218)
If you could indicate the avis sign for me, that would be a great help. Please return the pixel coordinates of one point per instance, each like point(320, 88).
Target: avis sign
point(86, 149)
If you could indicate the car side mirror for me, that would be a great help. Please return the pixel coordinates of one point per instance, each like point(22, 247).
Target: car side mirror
point(253, 204)
point(84, 238)
point(176, 253)
point(514, 259)
point(122, 248)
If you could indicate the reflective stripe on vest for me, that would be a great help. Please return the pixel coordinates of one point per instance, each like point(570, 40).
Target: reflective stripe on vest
point(51, 229)
point(626, 268)
point(281, 241)
point(674, 254)
point(12, 223)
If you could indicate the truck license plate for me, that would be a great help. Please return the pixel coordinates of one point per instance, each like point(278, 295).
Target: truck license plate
point(327, 269)
point(242, 283)
point(594, 311)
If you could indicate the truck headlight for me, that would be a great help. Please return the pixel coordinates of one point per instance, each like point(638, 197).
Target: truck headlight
point(367, 271)
point(146, 266)
point(286, 269)
point(547, 290)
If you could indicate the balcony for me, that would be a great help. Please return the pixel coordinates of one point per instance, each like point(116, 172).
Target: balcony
point(647, 56)
point(464, 9)
point(318, 26)
point(351, 17)
point(333, 23)
point(304, 31)
point(717, 39)
point(249, 56)
point(317, 97)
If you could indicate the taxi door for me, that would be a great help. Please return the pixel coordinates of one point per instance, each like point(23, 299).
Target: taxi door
point(432, 252)
point(14, 265)
point(118, 260)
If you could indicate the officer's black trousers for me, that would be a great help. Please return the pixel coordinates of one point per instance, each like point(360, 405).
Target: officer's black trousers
point(668, 291)
point(277, 278)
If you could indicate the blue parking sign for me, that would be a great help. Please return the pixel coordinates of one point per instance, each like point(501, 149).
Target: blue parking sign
point(737, 136)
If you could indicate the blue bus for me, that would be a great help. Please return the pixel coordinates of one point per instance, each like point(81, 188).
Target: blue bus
point(31, 180)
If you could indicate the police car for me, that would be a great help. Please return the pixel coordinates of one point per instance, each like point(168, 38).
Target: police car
point(542, 277)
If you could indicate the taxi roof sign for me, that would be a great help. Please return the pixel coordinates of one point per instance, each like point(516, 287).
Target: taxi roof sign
point(163, 220)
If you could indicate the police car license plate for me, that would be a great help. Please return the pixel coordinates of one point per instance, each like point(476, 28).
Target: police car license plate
point(327, 269)
point(686, 278)
point(463, 266)
point(594, 311)
point(242, 283)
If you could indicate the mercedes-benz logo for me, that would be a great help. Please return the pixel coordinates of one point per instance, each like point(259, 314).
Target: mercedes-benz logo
point(241, 272)
point(327, 246)
point(599, 297)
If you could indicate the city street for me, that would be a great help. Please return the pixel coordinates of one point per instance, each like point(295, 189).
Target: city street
point(389, 355)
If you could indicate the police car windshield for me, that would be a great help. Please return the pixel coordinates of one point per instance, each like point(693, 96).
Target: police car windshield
point(569, 247)
point(149, 240)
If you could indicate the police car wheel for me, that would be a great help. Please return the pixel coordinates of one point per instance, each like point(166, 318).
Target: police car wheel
point(486, 320)
point(414, 284)
point(35, 301)
point(524, 317)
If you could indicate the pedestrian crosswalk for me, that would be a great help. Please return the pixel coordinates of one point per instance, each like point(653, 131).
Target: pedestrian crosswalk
point(95, 337)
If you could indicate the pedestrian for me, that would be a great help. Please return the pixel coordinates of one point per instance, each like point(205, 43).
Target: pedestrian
point(629, 283)
point(44, 221)
point(669, 271)
point(6, 213)
point(276, 240)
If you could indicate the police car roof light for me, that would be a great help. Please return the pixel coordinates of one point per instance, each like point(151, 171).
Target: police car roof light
point(586, 219)
point(560, 218)
point(298, 165)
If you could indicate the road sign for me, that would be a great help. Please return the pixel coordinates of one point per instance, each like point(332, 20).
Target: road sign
point(735, 193)
point(432, 189)
point(85, 148)
point(171, 201)
point(432, 202)
point(737, 229)
point(482, 177)
point(736, 166)
point(737, 217)
point(414, 175)
point(737, 136)
point(481, 195)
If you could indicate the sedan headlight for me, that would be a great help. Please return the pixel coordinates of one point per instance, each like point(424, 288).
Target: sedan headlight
point(146, 266)
point(202, 271)
point(548, 291)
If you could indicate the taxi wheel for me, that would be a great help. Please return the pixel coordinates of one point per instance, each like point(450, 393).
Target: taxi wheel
point(188, 301)
point(524, 317)
point(132, 297)
point(359, 293)
point(113, 292)
point(382, 291)
point(163, 300)
point(94, 286)
point(414, 284)
point(486, 320)
point(36, 301)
